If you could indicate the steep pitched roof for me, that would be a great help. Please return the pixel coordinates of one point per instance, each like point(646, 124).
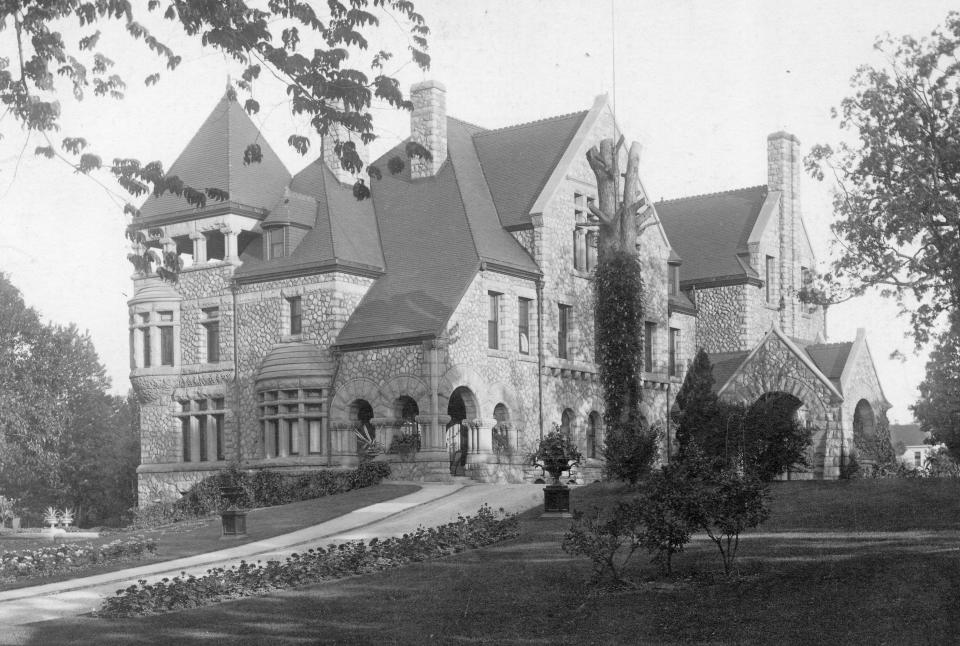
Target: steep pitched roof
point(709, 231)
point(435, 234)
point(518, 160)
point(830, 358)
point(909, 434)
point(430, 258)
point(343, 230)
point(214, 159)
point(725, 364)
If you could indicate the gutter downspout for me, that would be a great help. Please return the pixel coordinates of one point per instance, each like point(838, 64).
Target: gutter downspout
point(238, 416)
point(540, 360)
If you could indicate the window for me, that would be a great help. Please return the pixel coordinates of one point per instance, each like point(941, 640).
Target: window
point(211, 326)
point(276, 241)
point(166, 338)
point(145, 337)
point(285, 414)
point(673, 279)
point(649, 330)
point(578, 259)
point(917, 459)
point(523, 325)
point(771, 270)
point(593, 433)
point(296, 315)
point(563, 331)
point(674, 351)
point(201, 427)
point(806, 280)
point(493, 321)
point(592, 240)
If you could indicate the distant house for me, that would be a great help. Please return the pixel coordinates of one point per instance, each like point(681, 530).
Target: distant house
point(458, 301)
point(909, 444)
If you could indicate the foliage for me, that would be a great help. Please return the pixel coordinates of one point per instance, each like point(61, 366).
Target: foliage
point(367, 445)
point(608, 539)
point(314, 565)
point(774, 440)
point(555, 453)
point(849, 468)
point(408, 438)
point(69, 556)
point(667, 507)
point(500, 435)
point(8, 508)
point(938, 408)
point(940, 463)
point(876, 446)
point(728, 502)
point(619, 316)
point(898, 194)
point(630, 451)
point(63, 439)
point(266, 488)
point(698, 418)
point(766, 438)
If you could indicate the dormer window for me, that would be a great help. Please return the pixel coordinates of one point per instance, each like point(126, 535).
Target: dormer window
point(673, 279)
point(276, 244)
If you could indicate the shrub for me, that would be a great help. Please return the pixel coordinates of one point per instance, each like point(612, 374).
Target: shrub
point(316, 564)
point(608, 539)
point(630, 451)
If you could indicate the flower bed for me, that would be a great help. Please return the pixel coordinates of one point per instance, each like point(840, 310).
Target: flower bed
point(312, 566)
point(58, 558)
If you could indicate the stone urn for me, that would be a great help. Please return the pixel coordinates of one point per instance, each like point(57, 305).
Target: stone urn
point(555, 454)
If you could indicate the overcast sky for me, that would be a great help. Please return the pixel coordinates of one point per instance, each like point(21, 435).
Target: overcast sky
point(699, 84)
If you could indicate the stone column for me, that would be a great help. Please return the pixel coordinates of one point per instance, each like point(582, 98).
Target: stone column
point(481, 436)
point(199, 247)
point(230, 245)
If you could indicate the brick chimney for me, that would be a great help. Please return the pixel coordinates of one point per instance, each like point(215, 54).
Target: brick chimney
point(428, 126)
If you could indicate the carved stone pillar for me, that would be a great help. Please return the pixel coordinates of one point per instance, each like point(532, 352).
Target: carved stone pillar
point(481, 436)
point(230, 245)
point(199, 247)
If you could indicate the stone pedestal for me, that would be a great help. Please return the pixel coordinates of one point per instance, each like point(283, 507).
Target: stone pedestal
point(556, 501)
point(233, 524)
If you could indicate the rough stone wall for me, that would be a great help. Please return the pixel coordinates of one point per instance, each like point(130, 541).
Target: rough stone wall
point(861, 383)
point(721, 318)
point(327, 301)
point(776, 369)
point(526, 239)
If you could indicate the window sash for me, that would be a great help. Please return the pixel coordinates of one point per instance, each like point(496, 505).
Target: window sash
point(276, 243)
point(493, 322)
point(202, 432)
point(649, 330)
point(185, 437)
point(147, 358)
point(213, 341)
point(293, 437)
point(674, 351)
point(296, 315)
point(523, 325)
point(218, 430)
point(314, 436)
point(563, 331)
point(166, 345)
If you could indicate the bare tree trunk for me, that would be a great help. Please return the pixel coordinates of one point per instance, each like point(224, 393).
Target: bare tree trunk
point(617, 222)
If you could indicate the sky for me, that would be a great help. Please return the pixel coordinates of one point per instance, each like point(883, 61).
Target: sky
point(700, 84)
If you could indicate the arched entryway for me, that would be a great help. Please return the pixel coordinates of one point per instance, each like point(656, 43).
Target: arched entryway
point(501, 432)
point(361, 412)
point(462, 407)
point(593, 435)
point(866, 447)
point(776, 428)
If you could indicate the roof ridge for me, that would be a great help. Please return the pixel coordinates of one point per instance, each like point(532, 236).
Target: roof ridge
point(530, 123)
point(701, 196)
point(826, 345)
point(468, 123)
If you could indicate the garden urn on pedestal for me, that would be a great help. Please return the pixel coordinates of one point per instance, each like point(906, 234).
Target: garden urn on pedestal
point(555, 454)
point(233, 521)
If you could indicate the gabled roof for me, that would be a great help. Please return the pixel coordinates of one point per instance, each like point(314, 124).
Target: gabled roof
point(725, 365)
point(830, 358)
point(710, 232)
point(435, 233)
point(909, 434)
point(518, 160)
point(214, 159)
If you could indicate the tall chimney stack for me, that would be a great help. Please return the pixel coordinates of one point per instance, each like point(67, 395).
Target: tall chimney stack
point(783, 174)
point(428, 127)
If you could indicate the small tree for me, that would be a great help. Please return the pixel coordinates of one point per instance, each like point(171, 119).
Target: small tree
point(773, 439)
point(938, 409)
point(667, 507)
point(696, 401)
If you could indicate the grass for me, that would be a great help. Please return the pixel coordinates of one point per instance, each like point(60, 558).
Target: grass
point(193, 537)
point(890, 588)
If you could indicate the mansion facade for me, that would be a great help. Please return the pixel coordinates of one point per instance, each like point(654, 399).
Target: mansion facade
point(457, 301)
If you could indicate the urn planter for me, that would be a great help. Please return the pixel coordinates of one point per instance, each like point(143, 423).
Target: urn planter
point(233, 524)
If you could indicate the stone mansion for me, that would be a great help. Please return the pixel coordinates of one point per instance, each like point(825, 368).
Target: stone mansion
point(457, 301)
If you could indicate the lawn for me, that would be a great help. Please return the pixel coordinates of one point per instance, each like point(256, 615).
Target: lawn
point(193, 537)
point(832, 586)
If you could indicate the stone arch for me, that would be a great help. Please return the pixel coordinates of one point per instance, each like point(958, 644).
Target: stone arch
point(405, 386)
point(497, 393)
point(460, 375)
point(594, 437)
point(568, 423)
point(463, 405)
point(864, 432)
point(346, 394)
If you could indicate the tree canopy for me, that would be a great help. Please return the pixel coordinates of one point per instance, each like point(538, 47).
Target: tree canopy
point(313, 54)
point(898, 197)
point(938, 409)
point(63, 439)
